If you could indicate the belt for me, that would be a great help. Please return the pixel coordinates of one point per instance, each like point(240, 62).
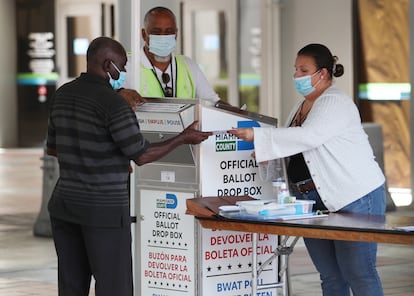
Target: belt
point(304, 186)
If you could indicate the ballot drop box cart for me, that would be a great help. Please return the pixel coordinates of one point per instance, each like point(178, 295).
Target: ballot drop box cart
point(173, 255)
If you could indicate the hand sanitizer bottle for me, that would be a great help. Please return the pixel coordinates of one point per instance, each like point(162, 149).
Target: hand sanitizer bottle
point(279, 186)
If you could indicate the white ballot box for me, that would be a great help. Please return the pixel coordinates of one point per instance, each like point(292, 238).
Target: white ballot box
point(173, 255)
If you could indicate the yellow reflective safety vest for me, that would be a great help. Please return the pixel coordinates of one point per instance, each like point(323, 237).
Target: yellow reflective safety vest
point(184, 84)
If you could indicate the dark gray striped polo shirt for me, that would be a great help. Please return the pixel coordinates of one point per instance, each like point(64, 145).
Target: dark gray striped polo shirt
point(96, 134)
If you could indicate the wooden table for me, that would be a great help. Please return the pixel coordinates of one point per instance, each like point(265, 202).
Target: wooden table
point(336, 226)
point(352, 227)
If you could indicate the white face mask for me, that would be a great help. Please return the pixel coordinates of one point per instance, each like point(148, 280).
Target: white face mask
point(162, 45)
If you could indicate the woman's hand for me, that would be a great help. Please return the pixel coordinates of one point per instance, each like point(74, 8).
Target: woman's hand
point(246, 134)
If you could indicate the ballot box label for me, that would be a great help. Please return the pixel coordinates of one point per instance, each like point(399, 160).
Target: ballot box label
point(227, 168)
point(167, 238)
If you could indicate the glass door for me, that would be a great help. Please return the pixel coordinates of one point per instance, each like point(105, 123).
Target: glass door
point(210, 38)
point(77, 24)
point(237, 45)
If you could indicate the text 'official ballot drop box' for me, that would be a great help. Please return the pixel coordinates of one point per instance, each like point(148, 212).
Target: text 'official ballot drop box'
point(174, 256)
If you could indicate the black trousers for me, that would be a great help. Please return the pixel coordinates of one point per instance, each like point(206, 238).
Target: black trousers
point(86, 251)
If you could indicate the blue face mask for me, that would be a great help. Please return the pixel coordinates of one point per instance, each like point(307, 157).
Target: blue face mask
point(117, 83)
point(162, 45)
point(303, 84)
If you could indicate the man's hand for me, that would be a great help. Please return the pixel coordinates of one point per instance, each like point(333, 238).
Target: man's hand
point(132, 97)
point(51, 151)
point(193, 136)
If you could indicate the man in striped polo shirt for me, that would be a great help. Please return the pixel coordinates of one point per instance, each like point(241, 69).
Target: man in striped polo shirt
point(94, 134)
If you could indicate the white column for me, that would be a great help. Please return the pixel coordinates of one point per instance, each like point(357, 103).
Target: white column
point(270, 90)
point(128, 29)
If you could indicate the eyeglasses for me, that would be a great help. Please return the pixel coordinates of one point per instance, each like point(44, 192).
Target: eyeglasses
point(168, 91)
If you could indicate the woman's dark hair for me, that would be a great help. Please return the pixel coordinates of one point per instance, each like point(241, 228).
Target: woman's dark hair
point(323, 58)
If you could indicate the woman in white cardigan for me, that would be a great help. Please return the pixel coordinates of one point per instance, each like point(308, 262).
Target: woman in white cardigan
point(330, 162)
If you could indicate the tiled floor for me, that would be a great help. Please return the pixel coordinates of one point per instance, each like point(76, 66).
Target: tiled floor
point(28, 262)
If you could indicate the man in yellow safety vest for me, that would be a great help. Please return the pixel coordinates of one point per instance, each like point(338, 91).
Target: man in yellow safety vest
point(163, 73)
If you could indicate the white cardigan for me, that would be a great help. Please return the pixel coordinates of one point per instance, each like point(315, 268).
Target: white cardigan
point(334, 145)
